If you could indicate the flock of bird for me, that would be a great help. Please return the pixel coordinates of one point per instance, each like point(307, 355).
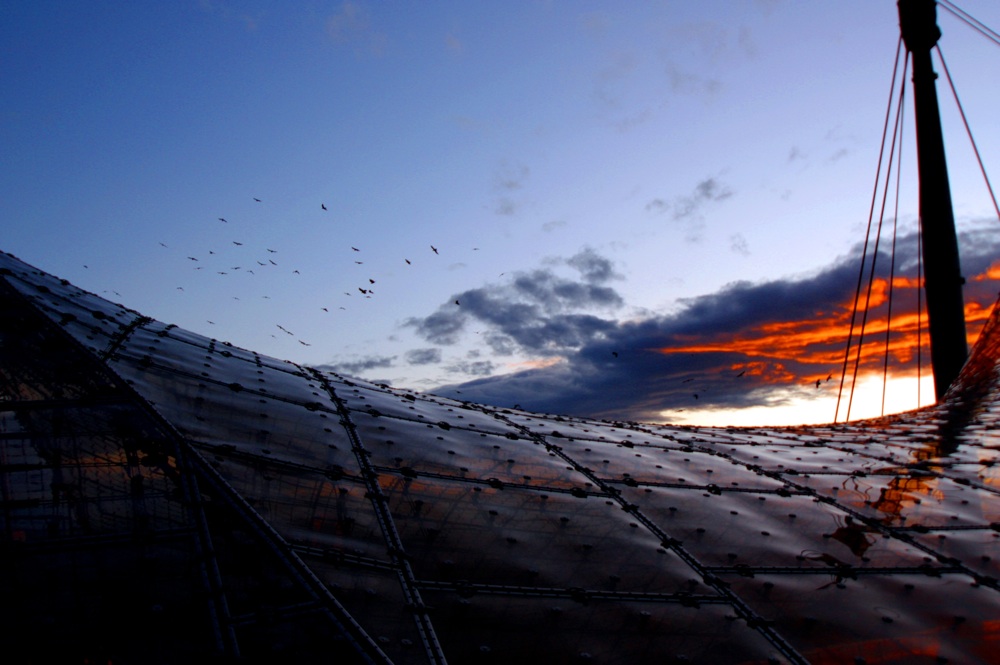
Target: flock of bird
point(266, 260)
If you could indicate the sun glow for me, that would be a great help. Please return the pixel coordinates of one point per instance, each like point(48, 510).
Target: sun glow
point(794, 408)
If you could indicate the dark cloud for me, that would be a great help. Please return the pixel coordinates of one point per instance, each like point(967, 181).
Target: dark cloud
point(706, 191)
point(690, 206)
point(594, 268)
point(423, 356)
point(739, 244)
point(657, 205)
point(539, 311)
point(748, 344)
point(360, 365)
point(476, 368)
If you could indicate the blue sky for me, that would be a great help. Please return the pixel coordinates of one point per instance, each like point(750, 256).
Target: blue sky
point(584, 171)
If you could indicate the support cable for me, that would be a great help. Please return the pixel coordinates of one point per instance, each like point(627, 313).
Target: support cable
point(920, 308)
point(878, 237)
point(871, 213)
point(970, 20)
point(892, 253)
point(968, 130)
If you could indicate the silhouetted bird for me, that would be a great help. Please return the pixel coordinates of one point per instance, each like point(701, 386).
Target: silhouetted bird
point(818, 382)
point(296, 272)
point(829, 376)
point(162, 245)
point(323, 206)
point(434, 248)
point(457, 303)
point(371, 280)
point(303, 343)
point(696, 395)
point(238, 244)
point(272, 262)
point(355, 249)
point(362, 290)
point(256, 199)
point(273, 251)
point(360, 262)
point(741, 374)
point(407, 262)
point(614, 353)
point(191, 258)
point(222, 219)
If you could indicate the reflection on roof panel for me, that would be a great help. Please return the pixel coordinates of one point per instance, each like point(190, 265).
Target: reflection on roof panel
point(171, 497)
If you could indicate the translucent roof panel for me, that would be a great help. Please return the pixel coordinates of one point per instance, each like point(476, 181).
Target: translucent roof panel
point(268, 510)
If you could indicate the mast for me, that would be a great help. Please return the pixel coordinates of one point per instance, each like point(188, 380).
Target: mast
point(942, 273)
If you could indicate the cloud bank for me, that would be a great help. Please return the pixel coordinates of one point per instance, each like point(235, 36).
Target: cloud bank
point(749, 344)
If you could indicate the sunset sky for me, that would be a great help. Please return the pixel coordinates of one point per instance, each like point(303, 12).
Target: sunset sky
point(652, 211)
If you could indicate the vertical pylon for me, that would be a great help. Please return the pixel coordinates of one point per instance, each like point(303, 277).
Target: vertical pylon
point(942, 272)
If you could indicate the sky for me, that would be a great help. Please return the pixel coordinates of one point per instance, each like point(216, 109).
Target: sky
point(653, 211)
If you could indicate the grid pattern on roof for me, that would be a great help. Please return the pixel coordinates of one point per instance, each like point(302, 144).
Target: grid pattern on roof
point(430, 530)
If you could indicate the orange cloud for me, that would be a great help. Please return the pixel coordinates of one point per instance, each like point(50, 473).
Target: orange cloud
point(816, 346)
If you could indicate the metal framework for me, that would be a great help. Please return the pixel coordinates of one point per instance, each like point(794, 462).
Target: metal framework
point(171, 497)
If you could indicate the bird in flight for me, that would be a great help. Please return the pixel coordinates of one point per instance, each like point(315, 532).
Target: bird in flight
point(408, 262)
point(371, 280)
point(256, 199)
point(223, 219)
point(434, 248)
point(741, 374)
point(355, 249)
point(323, 206)
point(238, 244)
point(457, 303)
point(191, 258)
point(162, 245)
point(303, 343)
point(362, 290)
point(614, 353)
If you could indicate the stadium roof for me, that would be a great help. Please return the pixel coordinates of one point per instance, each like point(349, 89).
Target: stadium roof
point(168, 497)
